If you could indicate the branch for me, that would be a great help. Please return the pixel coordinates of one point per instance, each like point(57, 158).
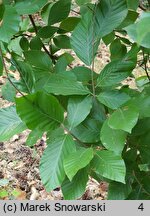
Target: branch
point(76, 12)
point(142, 8)
point(16, 36)
point(145, 67)
point(122, 38)
point(7, 73)
point(44, 47)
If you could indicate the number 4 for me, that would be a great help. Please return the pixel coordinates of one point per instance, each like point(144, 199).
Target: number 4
point(141, 207)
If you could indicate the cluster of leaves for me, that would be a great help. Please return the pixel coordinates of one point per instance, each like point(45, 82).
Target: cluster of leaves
point(95, 125)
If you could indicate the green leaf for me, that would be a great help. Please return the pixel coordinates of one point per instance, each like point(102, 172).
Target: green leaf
point(14, 46)
point(8, 92)
point(98, 111)
point(69, 24)
point(87, 8)
point(2, 9)
point(132, 54)
point(10, 123)
point(109, 38)
point(24, 43)
point(144, 167)
point(130, 19)
point(75, 189)
point(144, 108)
point(142, 103)
point(109, 165)
point(45, 12)
point(114, 72)
point(144, 147)
point(29, 7)
point(124, 119)
point(130, 157)
point(65, 74)
point(140, 191)
point(26, 82)
point(38, 59)
point(82, 2)
point(9, 27)
point(83, 38)
point(113, 99)
point(113, 140)
point(51, 166)
point(121, 50)
point(64, 85)
point(68, 57)
point(88, 131)
point(41, 111)
point(138, 129)
point(126, 41)
point(47, 31)
point(24, 24)
point(83, 74)
point(36, 43)
point(62, 63)
point(78, 110)
point(1, 66)
point(41, 77)
point(59, 11)
point(3, 193)
point(133, 5)
point(119, 191)
point(109, 15)
point(62, 42)
point(145, 182)
point(141, 82)
point(76, 161)
point(140, 31)
point(33, 137)
point(6, 2)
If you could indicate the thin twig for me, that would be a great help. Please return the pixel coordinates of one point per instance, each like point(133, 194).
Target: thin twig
point(123, 38)
point(78, 13)
point(44, 47)
point(145, 67)
point(7, 73)
point(16, 36)
point(70, 66)
point(33, 23)
point(142, 8)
